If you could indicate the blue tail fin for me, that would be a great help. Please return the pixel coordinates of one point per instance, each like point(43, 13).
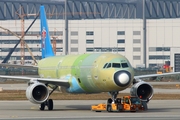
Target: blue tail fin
point(46, 46)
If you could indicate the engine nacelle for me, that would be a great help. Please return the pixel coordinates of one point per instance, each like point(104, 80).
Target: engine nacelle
point(143, 90)
point(37, 92)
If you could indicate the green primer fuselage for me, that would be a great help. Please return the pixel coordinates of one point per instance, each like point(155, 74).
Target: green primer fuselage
point(85, 72)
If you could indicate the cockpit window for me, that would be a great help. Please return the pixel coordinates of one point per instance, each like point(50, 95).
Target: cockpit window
point(105, 65)
point(116, 65)
point(109, 65)
point(124, 65)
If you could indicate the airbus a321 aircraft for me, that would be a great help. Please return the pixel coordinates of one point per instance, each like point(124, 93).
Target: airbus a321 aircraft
point(85, 73)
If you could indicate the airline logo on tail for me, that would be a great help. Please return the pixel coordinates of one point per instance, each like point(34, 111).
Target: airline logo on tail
point(47, 50)
point(43, 35)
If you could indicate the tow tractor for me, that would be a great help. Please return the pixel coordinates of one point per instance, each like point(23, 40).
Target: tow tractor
point(128, 103)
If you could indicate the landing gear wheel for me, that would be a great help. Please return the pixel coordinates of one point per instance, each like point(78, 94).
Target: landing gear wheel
point(42, 106)
point(144, 104)
point(109, 108)
point(50, 104)
point(109, 101)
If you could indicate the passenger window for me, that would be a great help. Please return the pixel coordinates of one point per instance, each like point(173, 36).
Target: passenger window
point(116, 65)
point(124, 65)
point(109, 65)
point(105, 65)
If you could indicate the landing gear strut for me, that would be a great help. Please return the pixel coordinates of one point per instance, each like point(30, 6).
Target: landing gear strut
point(113, 96)
point(49, 102)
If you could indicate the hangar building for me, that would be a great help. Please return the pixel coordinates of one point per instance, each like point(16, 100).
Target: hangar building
point(148, 39)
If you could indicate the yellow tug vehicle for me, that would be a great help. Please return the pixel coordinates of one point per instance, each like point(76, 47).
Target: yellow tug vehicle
point(128, 103)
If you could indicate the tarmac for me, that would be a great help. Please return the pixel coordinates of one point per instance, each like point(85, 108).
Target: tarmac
point(81, 109)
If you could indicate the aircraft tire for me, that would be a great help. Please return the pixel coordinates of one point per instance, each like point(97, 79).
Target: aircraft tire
point(42, 106)
point(109, 108)
point(109, 101)
point(50, 104)
point(144, 104)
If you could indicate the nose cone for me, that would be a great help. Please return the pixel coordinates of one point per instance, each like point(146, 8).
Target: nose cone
point(122, 78)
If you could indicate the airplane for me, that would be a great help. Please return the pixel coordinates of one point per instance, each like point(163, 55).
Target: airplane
point(84, 73)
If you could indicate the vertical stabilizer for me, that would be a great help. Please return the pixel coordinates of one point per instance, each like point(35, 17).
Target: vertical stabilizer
point(46, 46)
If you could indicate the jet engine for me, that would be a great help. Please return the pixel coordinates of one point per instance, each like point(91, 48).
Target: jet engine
point(37, 92)
point(143, 90)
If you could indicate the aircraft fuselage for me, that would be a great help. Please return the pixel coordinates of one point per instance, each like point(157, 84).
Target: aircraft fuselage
point(89, 73)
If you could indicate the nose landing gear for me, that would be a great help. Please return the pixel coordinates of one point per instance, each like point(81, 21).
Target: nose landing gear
point(113, 97)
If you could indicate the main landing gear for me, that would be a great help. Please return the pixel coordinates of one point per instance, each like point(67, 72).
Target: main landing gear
point(48, 102)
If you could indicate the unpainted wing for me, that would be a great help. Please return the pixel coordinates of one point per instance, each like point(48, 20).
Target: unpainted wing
point(59, 82)
point(156, 75)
